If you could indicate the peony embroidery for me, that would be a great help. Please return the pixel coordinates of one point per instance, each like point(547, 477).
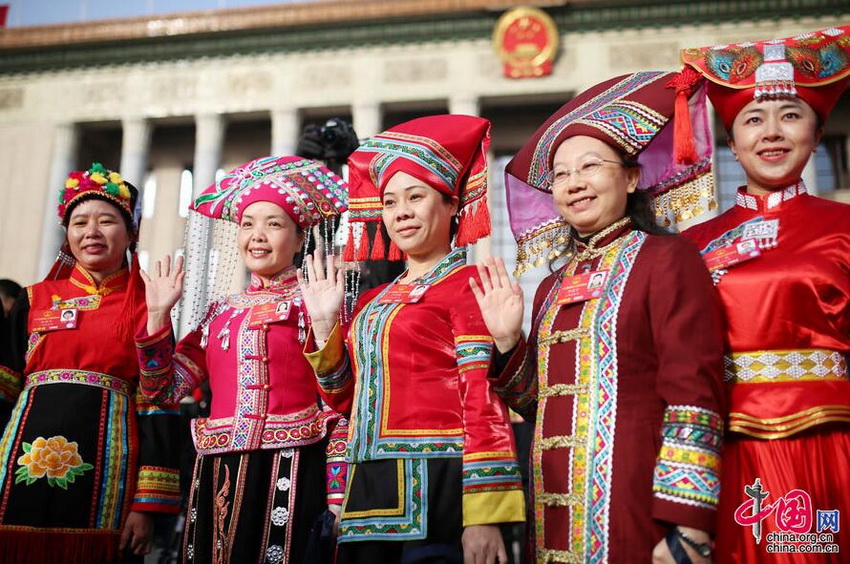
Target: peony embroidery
point(55, 458)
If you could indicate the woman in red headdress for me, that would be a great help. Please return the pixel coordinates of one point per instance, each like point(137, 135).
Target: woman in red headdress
point(622, 367)
point(786, 465)
point(84, 462)
point(434, 469)
point(269, 454)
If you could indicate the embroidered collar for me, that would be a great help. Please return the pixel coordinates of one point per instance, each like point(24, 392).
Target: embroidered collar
point(81, 278)
point(601, 240)
point(448, 263)
point(283, 280)
point(769, 201)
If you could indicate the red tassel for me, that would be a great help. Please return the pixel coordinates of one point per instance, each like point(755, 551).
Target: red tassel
point(462, 236)
point(363, 247)
point(20, 547)
point(124, 327)
point(684, 145)
point(348, 251)
point(379, 252)
point(474, 224)
point(481, 221)
point(395, 252)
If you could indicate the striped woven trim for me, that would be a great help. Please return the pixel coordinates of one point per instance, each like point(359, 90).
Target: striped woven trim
point(758, 367)
point(83, 377)
point(781, 427)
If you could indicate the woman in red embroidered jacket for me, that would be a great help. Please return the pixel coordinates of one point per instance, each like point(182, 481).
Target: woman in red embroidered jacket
point(622, 369)
point(267, 467)
point(84, 463)
point(787, 302)
point(434, 464)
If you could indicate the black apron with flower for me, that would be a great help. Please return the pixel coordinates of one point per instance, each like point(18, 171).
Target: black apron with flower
point(80, 452)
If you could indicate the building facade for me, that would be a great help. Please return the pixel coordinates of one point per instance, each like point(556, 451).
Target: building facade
point(170, 101)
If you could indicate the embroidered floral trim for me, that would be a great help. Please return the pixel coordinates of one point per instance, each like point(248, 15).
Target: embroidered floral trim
point(83, 377)
point(55, 458)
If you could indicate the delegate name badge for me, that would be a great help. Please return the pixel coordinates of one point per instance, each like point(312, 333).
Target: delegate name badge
point(265, 314)
point(731, 254)
point(766, 230)
point(54, 320)
point(404, 294)
point(581, 287)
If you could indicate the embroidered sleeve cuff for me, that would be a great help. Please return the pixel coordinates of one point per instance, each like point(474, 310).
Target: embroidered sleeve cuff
point(516, 381)
point(336, 481)
point(157, 490)
point(155, 352)
point(504, 373)
point(330, 363)
point(686, 483)
point(337, 467)
point(490, 508)
point(491, 475)
point(145, 340)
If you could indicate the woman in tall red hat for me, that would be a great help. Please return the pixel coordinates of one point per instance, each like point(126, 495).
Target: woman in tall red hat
point(786, 466)
point(622, 368)
point(269, 454)
point(434, 469)
point(84, 462)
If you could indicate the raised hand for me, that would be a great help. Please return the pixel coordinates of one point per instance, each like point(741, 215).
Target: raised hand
point(500, 301)
point(162, 290)
point(323, 293)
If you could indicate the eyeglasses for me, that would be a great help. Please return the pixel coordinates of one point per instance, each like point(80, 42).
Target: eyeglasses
point(590, 168)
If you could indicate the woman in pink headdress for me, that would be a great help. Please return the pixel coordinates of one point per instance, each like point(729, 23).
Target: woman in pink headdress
point(267, 465)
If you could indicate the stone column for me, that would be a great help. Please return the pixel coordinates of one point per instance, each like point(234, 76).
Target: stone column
point(464, 104)
point(284, 131)
point(209, 137)
point(367, 118)
point(209, 140)
point(65, 144)
point(135, 145)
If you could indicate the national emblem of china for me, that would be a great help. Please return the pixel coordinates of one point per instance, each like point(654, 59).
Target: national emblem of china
point(526, 40)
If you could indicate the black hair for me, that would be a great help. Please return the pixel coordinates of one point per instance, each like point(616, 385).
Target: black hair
point(298, 258)
point(640, 208)
point(9, 288)
point(453, 226)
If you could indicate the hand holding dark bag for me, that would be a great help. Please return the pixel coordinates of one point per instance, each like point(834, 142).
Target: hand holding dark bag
point(322, 543)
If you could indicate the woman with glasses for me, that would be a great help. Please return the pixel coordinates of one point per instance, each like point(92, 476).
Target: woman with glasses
point(622, 367)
